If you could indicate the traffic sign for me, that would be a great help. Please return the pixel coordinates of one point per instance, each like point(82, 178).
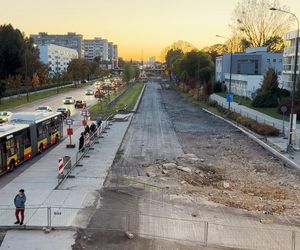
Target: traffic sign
point(84, 112)
point(283, 109)
point(69, 121)
point(229, 97)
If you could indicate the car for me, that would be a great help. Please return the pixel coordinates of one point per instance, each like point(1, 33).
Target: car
point(79, 104)
point(84, 81)
point(89, 92)
point(5, 116)
point(64, 111)
point(44, 109)
point(69, 100)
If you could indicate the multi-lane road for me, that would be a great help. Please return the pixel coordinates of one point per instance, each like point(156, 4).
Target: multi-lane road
point(54, 102)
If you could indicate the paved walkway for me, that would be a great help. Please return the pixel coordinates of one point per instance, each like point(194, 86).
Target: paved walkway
point(281, 142)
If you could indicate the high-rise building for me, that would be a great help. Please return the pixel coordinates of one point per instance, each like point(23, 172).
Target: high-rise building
point(70, 40)
point(289, 60)
point(106, 51)
point(56, 57)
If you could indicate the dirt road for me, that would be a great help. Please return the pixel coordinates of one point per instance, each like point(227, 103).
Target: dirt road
point(217, 172)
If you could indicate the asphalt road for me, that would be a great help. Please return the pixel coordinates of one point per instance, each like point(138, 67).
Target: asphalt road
point(54, 102)
point(151, 135)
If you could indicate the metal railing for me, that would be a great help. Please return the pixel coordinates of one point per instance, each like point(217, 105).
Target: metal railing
point(191, 230)
point(80, 154)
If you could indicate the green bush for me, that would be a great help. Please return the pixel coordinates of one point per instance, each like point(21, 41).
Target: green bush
point(217, 87)
point(270, 100)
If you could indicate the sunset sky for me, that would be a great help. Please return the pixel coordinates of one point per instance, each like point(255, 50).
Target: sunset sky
point(135, 25)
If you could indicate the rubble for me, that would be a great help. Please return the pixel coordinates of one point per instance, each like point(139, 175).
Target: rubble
point(168, 166)
point(185, 169)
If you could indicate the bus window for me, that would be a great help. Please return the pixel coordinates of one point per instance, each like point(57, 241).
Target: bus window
point(11, 147)
point(27, 142)
point(42, 132)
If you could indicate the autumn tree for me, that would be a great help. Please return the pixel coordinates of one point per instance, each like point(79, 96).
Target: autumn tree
point(35, 81)
point(78, 69)
point(256, 26)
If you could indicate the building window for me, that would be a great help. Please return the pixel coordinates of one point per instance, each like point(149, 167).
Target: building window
point(268, 60)
point(274, 60)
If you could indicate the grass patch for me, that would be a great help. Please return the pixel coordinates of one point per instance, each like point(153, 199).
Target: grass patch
point(15, 102)
point(130, 98)
point(248, 103)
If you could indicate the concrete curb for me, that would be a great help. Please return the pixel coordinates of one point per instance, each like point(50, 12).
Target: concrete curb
point(136, 106)
point(261, 143)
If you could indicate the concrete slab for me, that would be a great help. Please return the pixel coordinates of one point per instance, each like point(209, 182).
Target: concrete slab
point(38, 240)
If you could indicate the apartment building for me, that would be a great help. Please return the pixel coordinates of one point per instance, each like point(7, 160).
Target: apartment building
point(70, 40)
point(56, 57)
point(289, 59)
point(107, 51)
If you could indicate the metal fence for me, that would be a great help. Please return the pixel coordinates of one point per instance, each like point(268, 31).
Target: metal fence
point(158, 227)
point(283, 126)
point(75, 159)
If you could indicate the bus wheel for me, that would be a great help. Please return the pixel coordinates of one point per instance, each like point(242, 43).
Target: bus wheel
point(12, 166)
point(41, 148)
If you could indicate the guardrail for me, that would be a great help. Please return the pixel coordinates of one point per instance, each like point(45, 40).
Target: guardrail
point(80, 154)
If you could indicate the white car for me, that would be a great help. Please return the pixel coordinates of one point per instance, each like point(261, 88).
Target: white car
point(5, 116)
point(89, 92)
point(44, 109)
point(69, 100)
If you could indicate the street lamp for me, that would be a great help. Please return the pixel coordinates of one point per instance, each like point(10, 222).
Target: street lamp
point(295, 71)
point(230, 69)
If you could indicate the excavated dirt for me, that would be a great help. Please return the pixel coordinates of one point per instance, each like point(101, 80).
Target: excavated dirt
point(230, 170)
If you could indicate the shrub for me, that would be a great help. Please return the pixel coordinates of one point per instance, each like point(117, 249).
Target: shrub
point(270, 100)
point(213, 103)
point(284, 93)
point(217, 87)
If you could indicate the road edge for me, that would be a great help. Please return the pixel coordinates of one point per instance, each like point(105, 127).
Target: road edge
point(273, 151)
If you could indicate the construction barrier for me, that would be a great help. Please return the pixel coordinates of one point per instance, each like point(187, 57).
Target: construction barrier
point(60, 166)
point(87, 139)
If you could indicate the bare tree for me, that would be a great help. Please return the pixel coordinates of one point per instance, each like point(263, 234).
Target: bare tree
point(257, 26)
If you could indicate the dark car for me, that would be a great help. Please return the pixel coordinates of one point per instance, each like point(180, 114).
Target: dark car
point(79, 104)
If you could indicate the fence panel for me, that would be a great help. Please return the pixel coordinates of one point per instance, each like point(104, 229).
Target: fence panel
point(249, 237)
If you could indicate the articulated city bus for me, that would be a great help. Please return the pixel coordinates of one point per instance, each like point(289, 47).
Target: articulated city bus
point(28, 134)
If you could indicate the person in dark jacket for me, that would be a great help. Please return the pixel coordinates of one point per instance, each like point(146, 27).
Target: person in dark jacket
point(19, 202)
point(86, 129)
point(81, 142)
point(99, 122)
point(93, 128)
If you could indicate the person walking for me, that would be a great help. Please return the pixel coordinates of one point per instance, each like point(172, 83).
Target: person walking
point(93, 128)
point(19, 202)
point(81, 142)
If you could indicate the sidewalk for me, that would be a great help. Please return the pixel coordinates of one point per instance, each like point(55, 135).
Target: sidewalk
point(279, 143)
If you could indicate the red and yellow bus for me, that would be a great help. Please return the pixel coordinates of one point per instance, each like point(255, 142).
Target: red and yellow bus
point(28, 134)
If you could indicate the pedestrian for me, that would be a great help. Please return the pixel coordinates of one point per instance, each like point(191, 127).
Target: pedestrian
point(86, 129)
point(99, 122)
point(93, 128)
point(68, 113)
point(81, 142)
point(19, 202)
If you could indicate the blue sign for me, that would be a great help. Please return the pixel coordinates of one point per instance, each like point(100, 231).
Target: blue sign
point(229, 97)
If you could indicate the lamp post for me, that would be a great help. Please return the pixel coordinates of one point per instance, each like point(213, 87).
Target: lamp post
point(295, 72)
point(230, 70)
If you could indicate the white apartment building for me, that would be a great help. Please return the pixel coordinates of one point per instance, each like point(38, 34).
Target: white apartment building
point(56, 57)
point(98, 47)
point(289, 59)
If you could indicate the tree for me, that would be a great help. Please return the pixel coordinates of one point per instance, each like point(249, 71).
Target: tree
point(130, 72)
point(270, 83)
point(2, 89)
point(121, 62)
point(216, 50)
point(172, 56)
point(269, 92)
point(179, 45)
point(11, 51)
point(78, 69)
point(257, 26)
point(35, 81)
